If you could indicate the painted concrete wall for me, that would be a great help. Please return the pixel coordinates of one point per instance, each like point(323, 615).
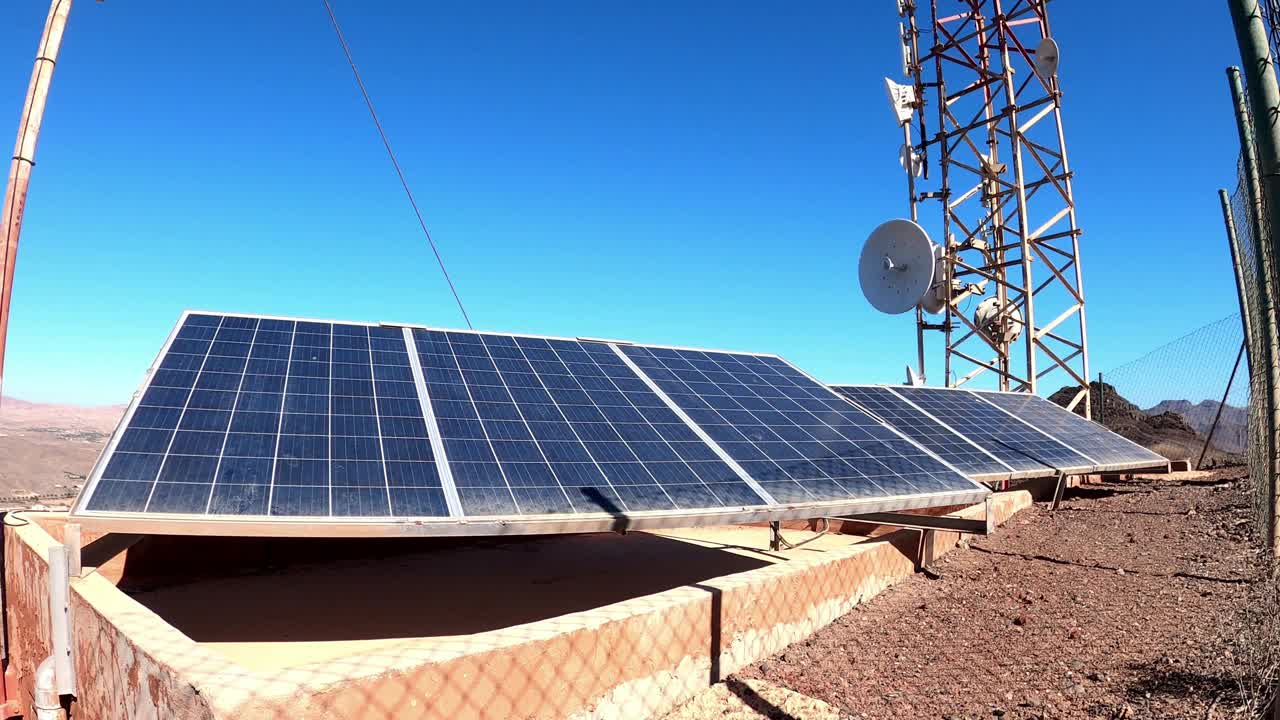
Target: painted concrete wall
point(634, 659)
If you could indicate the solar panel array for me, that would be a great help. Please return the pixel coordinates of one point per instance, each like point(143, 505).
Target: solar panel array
point(797, 438)
point(533, 426)
point(1090, 438)
point(1012, 441)
point(928, 431)
point(1029, 435)
point(263, 418)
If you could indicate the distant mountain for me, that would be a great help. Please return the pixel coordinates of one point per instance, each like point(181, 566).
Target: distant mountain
point(1232, 434)
point(1168, 433)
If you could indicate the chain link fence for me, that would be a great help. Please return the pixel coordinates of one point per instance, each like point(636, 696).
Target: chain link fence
point(1176, 396)
point(1249, 234)
point(1249, 225)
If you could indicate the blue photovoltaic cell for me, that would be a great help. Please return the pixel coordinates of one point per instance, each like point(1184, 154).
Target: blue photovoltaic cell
point(797, 438)
point(918, 426)
point(534, 426)
point(1090, 438)
point(248, 416)
point(1017, 444)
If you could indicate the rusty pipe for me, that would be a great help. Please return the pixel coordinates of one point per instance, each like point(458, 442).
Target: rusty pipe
point(24, 158)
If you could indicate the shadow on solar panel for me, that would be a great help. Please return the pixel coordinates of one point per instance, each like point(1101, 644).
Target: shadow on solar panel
point(258, 425)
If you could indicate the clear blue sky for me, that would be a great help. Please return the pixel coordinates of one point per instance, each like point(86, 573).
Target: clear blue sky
point(683, 173)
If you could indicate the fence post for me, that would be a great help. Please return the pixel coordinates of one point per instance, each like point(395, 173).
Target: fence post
point(1255, 55)
point(1237, 266)
point(1102, 401)
point(1218, 415)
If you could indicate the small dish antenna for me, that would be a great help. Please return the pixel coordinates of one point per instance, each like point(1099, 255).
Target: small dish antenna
point(998, 327)
point(910, 160)
point(896, 266)
point(1046, 63)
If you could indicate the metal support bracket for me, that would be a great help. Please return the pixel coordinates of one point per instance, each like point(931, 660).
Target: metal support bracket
point(71, 540)
point(927, 522)
point(1059, 489)
point(60, 620)
point(925, 553)
point(775, 536)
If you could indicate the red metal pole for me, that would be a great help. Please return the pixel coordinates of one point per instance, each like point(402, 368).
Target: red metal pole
point(24, 158)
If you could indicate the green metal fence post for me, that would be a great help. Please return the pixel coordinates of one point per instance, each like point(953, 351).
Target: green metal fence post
point(1237, 266)
point(1262, 136)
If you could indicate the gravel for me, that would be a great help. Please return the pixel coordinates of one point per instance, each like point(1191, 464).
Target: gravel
point(1109, 608)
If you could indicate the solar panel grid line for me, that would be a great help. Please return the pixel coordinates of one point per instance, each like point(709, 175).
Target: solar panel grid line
point(956, 431)
point(979, 395)
point(1037, 454)
point(680, 447)
point(284, 393)
point(222, 452)
point(879, 415)
point(1111, 451)
point(577, 434)
point(484, 432)
point(451, 499)
point(797, 473)
point(329, 447)
point(185, 406)
point(887, 425)
point(541, 451)
point(613, 426)
point(377, 419)
point(667, 439)
point(695, 427)
point(895, 423)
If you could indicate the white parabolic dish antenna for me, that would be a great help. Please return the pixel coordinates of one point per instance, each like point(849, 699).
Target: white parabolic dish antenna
point(1046, 62)
point(896, 267)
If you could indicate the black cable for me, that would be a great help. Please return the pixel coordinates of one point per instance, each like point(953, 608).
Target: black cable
point(342, 40)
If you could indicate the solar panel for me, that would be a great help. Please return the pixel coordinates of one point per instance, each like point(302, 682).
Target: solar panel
point(248, 416)
point(797, 438)
point(1017, 444)
point(274, 426)
point(932, 434)
point(1109, 450)
point(545, 426)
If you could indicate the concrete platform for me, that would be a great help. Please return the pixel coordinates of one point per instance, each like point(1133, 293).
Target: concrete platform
point(585, 626)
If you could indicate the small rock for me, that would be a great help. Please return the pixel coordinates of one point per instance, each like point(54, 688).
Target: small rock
point(997, 712)
point(1020, 620)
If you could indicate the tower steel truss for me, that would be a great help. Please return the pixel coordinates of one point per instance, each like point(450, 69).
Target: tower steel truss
point(994, 189)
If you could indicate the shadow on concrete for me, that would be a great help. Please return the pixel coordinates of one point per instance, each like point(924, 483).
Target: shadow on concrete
point(267, 590)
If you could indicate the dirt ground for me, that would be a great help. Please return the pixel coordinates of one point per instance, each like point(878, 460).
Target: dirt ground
point(1109, 608)
point(48, 449)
